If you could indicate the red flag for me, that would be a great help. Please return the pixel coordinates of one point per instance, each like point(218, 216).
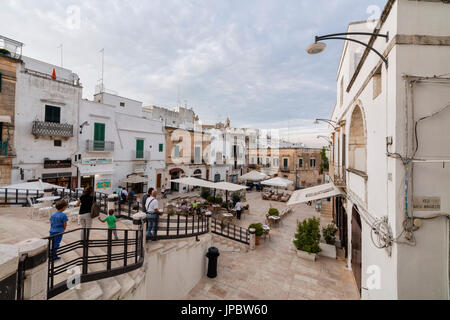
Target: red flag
point(54, 74)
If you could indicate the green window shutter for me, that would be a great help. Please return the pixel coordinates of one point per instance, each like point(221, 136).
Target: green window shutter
point(161, 147)
point(52, 114)
point(139, 149)
point(99, 136)
point(177, 151)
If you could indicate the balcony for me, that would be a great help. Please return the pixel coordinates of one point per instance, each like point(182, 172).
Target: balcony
point(57, 164)
point(140, 155)
point(285, 169)
point(3, 148)
point(252, 166)
point(338, 175)
point(41, 128)
point(99, 146)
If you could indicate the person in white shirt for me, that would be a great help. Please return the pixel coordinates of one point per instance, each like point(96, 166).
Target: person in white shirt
point(123, 195)
point(238, 209)
point(152, 212)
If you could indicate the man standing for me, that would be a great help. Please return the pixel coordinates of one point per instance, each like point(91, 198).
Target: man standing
point(151, 209)
point(238, 209)
point(145, 197)
point(123, 195)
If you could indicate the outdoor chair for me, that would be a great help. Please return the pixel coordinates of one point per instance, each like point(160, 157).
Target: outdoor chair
point(33, 207)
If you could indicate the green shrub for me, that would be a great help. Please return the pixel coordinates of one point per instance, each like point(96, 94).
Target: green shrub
point(236, 197)
point(273, 212)
point(247, 207)
point(211, 198)
point(205, 193)
point(171, 212)
point(225, 205)
point(218, 200)
point(258, 227)
point(329, 234)
point(308, 235)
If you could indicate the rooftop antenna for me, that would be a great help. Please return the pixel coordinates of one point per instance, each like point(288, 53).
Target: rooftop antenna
point(61, 47)
point(103, 67)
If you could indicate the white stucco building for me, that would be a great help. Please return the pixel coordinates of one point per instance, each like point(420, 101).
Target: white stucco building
point(118, 141)
point(391, 152)
point(46, 116)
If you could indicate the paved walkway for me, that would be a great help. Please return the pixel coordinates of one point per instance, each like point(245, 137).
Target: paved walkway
point(273, 271)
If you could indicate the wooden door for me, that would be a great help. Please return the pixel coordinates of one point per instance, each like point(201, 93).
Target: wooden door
point(356, 247)
point(158, 181)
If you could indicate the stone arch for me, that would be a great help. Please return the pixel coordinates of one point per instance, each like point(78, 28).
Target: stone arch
point(357, 142)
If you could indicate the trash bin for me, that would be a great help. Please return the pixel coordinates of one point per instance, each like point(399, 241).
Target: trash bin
point(212, 255)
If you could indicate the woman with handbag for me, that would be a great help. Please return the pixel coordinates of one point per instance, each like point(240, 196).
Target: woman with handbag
point(85, 203)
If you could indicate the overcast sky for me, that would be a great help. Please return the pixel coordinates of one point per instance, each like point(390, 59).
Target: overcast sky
point(243, 59)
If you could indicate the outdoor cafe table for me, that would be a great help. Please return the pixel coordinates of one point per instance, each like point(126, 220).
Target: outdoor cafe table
point(275, 219)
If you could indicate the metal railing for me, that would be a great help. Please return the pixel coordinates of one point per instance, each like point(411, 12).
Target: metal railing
point(3, 148)
point(98, 145)
point(42, 128)
point(180, 226)
point(18, 196)
point(338, 175)
point(285, 169)
point(121, 255)
point(230, 231)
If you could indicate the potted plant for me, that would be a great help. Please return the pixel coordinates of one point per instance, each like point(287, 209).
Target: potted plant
point(211, 199)
point(273, 212)
point(259, 231)
point(307, 239)
point(236, 197)
point(171, 212)
point(218, 200)
point(245, 208)
point(329, 235)
point(205, 193)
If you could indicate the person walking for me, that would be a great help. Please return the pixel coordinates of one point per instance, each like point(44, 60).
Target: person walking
point(58, 224)
point(85, 203)
point(151, 209)
point(238, 208)
point(111, 221)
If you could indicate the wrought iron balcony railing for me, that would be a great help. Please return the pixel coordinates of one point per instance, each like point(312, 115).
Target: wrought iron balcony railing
point(285, 169)
point(3, 148)
point(99, 146)
point(42, 128)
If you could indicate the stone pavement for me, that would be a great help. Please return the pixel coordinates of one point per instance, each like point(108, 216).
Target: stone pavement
point(273, 271)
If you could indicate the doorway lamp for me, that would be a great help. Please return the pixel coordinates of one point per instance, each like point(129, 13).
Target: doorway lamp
point(330, 122)
point(318, 47)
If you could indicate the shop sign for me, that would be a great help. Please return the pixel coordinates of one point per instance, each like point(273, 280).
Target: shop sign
point(92, 161)
point(103, 184)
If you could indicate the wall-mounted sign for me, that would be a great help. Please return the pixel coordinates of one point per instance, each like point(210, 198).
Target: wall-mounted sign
point(103, 184)
point(427, 203)
point(97, 161)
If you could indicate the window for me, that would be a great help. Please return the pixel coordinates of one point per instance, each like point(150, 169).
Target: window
point(99, 136)
point(52, 114)
point(252, 161)
point(176, 151)
point(300, 163)
point(285, 162)
point(268, 161)
point(57, 143)
point(1, 131)
point(122, 104)
point(161, 147)
point(376, 79)
point(312, 163)
point(139, 149)
point(259, 160)
point(197, 155)
point(275, 162)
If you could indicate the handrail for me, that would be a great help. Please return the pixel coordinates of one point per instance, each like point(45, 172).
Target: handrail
point(180, 226)
point(228, 230)
point(135, 256)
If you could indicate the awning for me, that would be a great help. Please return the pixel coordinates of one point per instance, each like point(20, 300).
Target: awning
point(315, 193)
point(5, 119)
point(228, 186)
point(190, 181)
point(253, 176)
point(35, 185)
point(278, 182)
point(135, 179)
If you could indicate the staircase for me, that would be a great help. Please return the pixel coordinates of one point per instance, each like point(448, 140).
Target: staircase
point(228, 245)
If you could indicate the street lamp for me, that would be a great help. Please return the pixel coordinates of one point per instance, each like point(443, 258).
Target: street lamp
point(330, 122)
point(318, 47)
point(325, 138)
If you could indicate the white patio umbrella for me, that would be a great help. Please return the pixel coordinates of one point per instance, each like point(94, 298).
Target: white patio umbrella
point(227, 186)
point(195, 182)
point(35, 185)
point(278, 182)
point(253, 176)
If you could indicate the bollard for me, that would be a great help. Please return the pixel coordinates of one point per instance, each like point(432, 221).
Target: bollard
point(252, 238)
point(212, 255)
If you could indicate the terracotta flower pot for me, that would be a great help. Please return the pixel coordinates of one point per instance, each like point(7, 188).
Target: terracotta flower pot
point(257, 239)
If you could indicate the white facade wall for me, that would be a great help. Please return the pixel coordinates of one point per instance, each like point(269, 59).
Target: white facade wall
point(411, 272)
point(33, 92)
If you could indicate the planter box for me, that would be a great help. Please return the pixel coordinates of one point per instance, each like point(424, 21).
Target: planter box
point(328, 250)
point(305, 255)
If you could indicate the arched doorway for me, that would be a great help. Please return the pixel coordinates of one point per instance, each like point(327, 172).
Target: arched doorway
point(197, 174)
point(217, 177)
point(357, 142)
point(175, 174)
point(356, 247)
